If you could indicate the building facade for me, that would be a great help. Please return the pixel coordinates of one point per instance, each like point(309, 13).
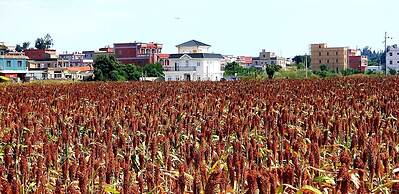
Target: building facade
point(358, 62)
point(13, 65)
point(392, 57)
point(269, 58)
point(193, 62)
point(334, 58)
point(75, 59)
point(137, 53)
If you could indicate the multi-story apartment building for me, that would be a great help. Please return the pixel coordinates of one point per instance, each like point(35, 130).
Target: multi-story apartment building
point(13, 65)
point(334, 58)
point(269, 58)
point(392, 57)
point(75, 59)
point(137, 53)
point(194, 62)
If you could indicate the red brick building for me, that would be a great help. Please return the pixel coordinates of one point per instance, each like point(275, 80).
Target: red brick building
point(137, 53)
point(244, 60)
point(38, 54)
point(358, 62)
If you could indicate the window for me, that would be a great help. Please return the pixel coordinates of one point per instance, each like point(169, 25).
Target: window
point(19, 63)
point(328, 61)
point(336, 60)
point(398, 62)
point(264, 56)
point(187, 63)
point(8, 63)
point(319, 61)
point(336, 53)
point(319, 53)
point(198, 64)
point(390, 62)
point(169, 79)
point(199, 78)
point(328, 54)
point(390, 54)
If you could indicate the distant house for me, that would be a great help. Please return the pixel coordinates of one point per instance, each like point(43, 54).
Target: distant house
point(269, 58)
point(193, 62)
point(137, 53)
point(392, 58)
point(13, 65)
point(75, 59)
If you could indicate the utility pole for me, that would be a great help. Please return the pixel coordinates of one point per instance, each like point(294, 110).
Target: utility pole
point(386, 51)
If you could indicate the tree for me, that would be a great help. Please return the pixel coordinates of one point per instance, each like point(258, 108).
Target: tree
point(48, 41)
point(375, 57)
point(44, 43)
point(300, 66)
point(18, 48)
point(272, 69)
point(323, 67)
point(232, 69)
point(153, 70)
point(301, 59)
point(24, 46)
point(39, 44)
point(104, 65)
point(392, 71)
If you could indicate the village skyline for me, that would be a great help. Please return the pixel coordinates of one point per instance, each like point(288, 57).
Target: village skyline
point(237, 28)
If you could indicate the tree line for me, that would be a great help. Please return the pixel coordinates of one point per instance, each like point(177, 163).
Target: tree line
point(108, 68)
point(41, 43)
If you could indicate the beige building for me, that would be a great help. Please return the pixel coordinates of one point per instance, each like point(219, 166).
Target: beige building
point(335, 58)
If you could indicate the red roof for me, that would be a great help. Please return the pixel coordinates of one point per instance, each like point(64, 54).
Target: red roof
point(84, 68)
point(163, 56)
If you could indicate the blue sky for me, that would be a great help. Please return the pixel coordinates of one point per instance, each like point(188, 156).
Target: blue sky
point(236, 27)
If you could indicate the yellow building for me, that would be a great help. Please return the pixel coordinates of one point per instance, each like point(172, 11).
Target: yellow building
point(335, 58)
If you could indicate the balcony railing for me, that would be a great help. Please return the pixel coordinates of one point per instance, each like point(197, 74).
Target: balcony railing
point(180, 68)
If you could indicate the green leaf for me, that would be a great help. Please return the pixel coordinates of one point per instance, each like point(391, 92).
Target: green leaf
point(280, 189)
point(324, 179)
point(309, 189)
point(111, 189)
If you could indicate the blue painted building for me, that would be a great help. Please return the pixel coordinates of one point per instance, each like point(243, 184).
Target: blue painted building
point(13, 65)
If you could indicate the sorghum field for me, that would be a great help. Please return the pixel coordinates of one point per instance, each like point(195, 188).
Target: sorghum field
point(310, 136)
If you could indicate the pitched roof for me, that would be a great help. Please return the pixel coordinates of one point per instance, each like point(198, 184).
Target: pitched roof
point(192, 43)
point(84, 68)
point(197, 56)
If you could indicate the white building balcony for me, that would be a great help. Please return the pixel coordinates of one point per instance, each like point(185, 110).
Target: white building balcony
point(180, 68)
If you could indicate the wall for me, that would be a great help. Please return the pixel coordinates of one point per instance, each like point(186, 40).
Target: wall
point(334, 58)
point(14, 64)
point(194, 49)
point(393, 61)
point(199, 69)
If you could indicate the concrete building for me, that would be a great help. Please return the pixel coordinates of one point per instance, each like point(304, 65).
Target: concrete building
point(392, 57)
point(75, 59)
point(358, 62)
point(269, 58)
point(103, 51)
point(137, 53)
point(193, 62)
point(13, 65)
point(335, 58)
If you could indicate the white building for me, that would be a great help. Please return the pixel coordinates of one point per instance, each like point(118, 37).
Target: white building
point(392, 58)
point(269, 58)
point(75, 59)
point(193, 62)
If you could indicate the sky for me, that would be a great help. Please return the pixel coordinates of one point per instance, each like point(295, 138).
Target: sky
point(236, 27)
